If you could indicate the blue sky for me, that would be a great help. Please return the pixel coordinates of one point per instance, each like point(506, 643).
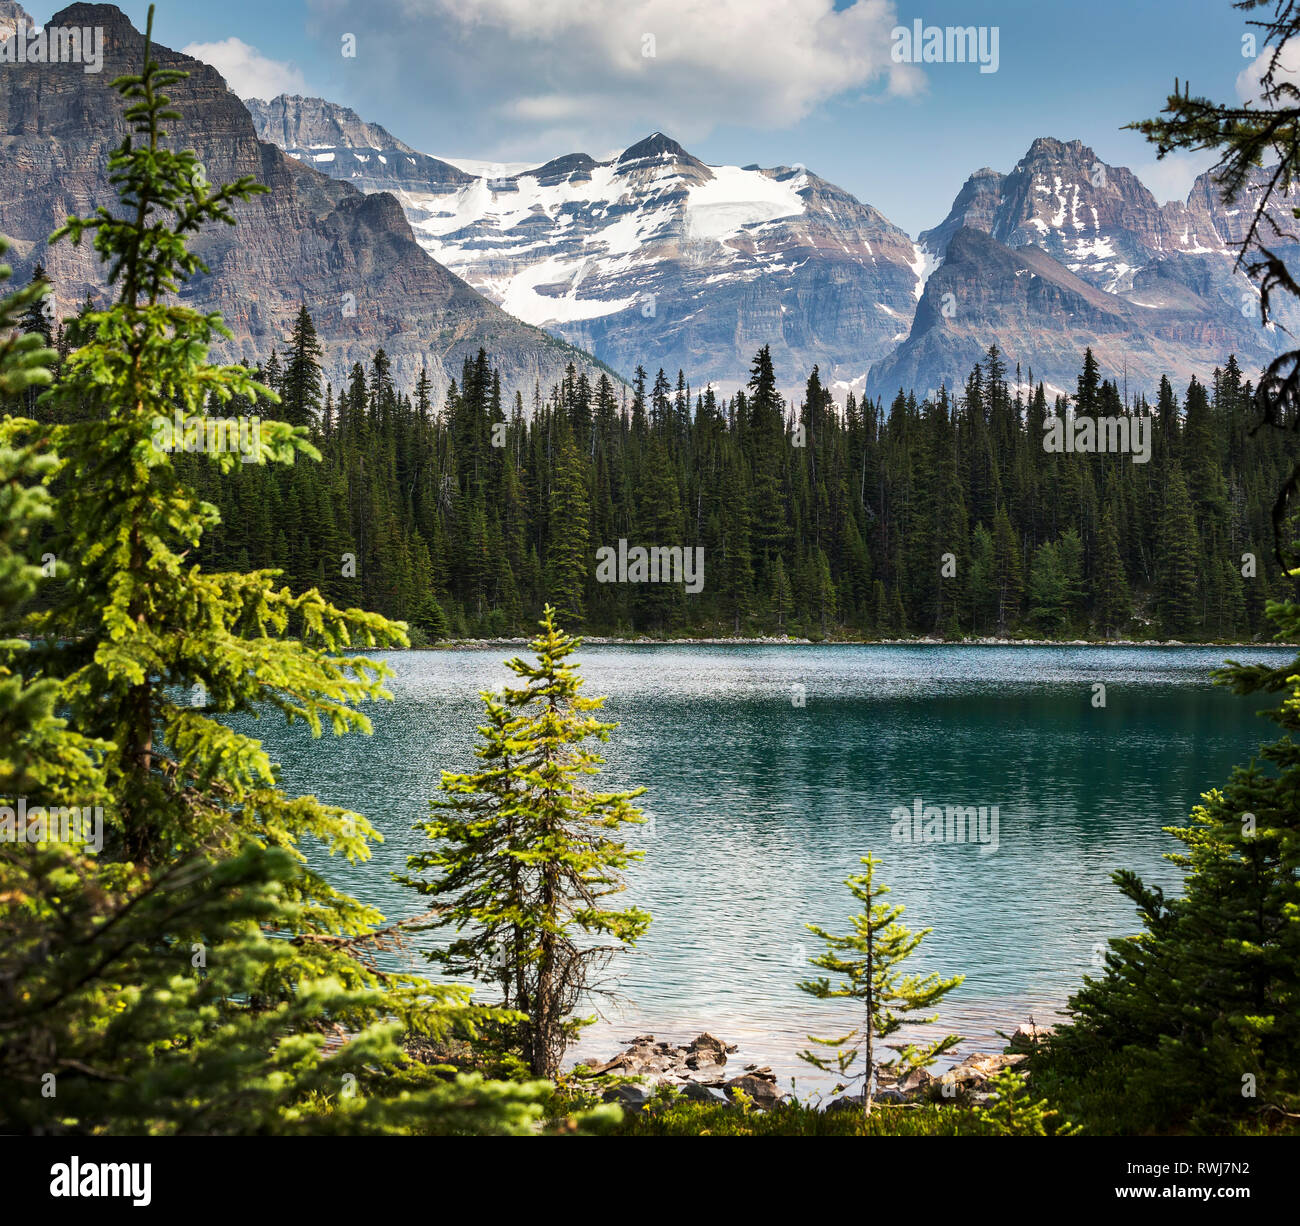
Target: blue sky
point(736, 81)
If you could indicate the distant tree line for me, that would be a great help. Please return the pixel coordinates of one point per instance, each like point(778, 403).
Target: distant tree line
point(943, 516)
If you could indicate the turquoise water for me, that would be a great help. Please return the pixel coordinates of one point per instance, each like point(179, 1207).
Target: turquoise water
point(760, 808)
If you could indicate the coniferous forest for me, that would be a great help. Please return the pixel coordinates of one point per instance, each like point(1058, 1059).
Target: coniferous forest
point(944, 517)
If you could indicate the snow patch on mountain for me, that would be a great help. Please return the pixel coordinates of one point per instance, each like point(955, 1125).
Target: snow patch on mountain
point(617, 213)
point(486, 170)
point(521, 298)
point(734, 198)
point(922, 266)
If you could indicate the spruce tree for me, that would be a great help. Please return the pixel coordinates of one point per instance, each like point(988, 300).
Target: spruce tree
point(1047, 588)
point(1006, 562)
point(38, 753)
point(432, 620)
point(1203, 1006)
point(982, 589)
point(867, 966)
point(659, 524)
point(881, 618)
point(737, 568)
point(1180, 564)
point(1112, 595)
point(570, 512)
point(526, 857)
point(782, 594)
point(300, 388)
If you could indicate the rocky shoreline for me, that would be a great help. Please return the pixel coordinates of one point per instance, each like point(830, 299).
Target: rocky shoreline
point(698, 1071)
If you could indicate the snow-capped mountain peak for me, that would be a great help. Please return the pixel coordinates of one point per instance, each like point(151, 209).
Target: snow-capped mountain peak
point(653, 256)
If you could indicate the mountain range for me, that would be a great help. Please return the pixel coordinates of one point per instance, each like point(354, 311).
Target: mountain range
point(651, 257)
point(655, 257)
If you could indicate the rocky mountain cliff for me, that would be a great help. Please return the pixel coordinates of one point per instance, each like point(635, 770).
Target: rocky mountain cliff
point(1168, 298)
point(1042, 316)
point(350, 256)
point(338, 142)
point(652, 257)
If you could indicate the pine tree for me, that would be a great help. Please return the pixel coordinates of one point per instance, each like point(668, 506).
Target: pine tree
point(1046, 588)
point(432, 620)
point(897, 613)
point(1113, 607)
point(1006, 561)
point(1069, 547)
point(881, 618)
point(300, 387)
point(201, 865)
point(659, 524)
point(868, 965)
point(782, 595)
point(983, 587)
point(765, 435)
point(1180, 564)
point(737, 569)
point(525, 855)
point(38, 753)
point(1088, 400)
point(570, 512)
point(824, 600)
point(1014, 1112)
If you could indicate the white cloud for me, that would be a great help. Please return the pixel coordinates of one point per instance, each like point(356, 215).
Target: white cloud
point(248, 72)
point(1171, 177)
point(593, 72)
point(1288, 69)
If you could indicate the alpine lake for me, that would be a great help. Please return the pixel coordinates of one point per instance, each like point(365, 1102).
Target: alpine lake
point(770, 770)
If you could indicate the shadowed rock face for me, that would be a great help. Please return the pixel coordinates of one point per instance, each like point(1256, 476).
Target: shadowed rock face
point(1043, 316)
point(1096, 220)
point(349, 256)
point(336, 141)
point(1067, 252)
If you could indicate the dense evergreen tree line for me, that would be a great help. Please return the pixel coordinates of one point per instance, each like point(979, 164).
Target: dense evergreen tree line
point(940, 516)
point(945, 515)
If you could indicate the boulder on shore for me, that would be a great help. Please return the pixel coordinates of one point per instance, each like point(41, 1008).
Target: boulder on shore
point(1030, 1035)
point(760, 1086)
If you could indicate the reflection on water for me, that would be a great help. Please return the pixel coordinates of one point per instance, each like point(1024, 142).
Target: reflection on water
point(761, 808)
